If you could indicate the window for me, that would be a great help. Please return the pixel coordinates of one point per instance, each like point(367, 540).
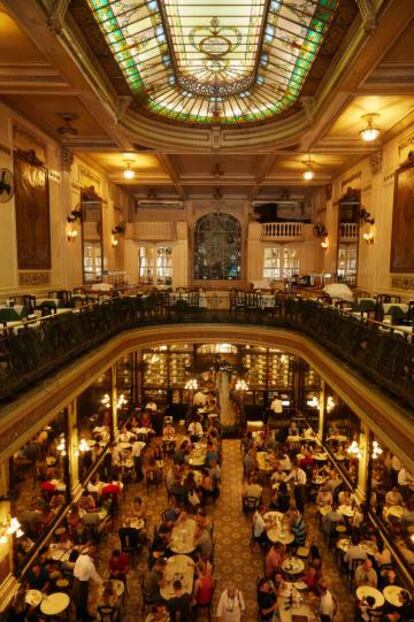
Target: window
point(155, 265)
point(348, 263)
point(217, 248)
point(92, 262)
point(280, 262)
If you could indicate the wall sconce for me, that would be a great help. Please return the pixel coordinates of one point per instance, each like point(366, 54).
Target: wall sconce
point(325, 243)
point(75, 214)
point(122, 400)
point(71, 233)
point(8, 528)
point(365, 216)
point(114, 241)
point(330, 403)
point(313, 402)
point(83, 445)
point(62, 445)
point(368, 237)
point(319, 231)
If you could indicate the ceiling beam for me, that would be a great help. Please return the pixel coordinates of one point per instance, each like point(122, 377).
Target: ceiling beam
point(170, 167)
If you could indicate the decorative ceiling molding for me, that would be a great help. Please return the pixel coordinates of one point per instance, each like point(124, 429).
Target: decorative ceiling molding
point(369, 14)
point(57, 15)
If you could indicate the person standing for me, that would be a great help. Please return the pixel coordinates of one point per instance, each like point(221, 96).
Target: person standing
point(83, 572)
point(137, 448)
point(231, 605)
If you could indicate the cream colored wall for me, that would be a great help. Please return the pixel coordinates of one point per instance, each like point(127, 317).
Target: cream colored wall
point(377, 191)
point(64, 195)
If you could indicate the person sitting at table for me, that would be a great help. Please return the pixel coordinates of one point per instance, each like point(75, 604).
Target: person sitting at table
point(158, 613)
point(279, 475)
point(45, 518)
point(179, 605)
point(37, 578)
point(152, 471)
point(393, 497)
point(182, 451)
point(153, 580)
point(212, 453)
point(387, 577)
point(331, 519)
point(57, 500)
point(138, 508)
point(108, 598)
point(249, 462)
point(95, 485)
point(118, 565)
point(334, 480)
point(87, 502)
point(195, 429)
point(298, 477)
point(324, 497)
point(203, 541)
point(365, 574)
point(259, 525)
point(251, 489)
point(274, 559)
point(69, 564)
point(203, 586)
point(215, 471)
point(207, 487)
point(297, 527)
point(383, 555)
point(355, 551)
point(311, 576)
point(281, 499)
point(266, 599)
point(363, 607)
point(73, 520)
point(345, 498)
point(293, 429)
point(126, 435)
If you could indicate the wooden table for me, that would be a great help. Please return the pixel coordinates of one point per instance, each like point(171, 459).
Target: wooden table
point(366, 590)
point(54, 604)
point(183, 537)
point(179, 567)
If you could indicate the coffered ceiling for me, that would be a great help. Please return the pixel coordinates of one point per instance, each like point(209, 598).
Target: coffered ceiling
point(49, 67)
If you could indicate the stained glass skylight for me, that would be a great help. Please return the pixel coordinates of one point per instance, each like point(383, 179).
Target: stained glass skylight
point(212, 61)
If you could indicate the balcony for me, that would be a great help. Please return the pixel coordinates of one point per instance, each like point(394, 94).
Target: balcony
point(348, 232)
point(282, 232)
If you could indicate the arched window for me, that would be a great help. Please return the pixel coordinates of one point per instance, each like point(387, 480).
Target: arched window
point(217, 248)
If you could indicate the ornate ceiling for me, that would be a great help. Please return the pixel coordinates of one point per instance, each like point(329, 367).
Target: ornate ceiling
point(208, 62)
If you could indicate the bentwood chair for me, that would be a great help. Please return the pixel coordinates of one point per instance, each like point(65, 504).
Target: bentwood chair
point(107, 613)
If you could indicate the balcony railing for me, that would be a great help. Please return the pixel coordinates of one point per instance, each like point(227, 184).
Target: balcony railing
point(348, 232)
point(35, 351)
point(282, 231)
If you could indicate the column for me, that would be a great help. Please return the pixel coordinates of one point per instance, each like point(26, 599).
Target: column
point(73, 447)
point(363, 465)
point(114, 399)
point(139, 376)
point(322, 411)
point(8, 583)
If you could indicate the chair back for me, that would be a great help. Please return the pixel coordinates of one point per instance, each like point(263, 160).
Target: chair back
point(129, 537)
point(107, 613)
point(251, 503)
point(375, 614)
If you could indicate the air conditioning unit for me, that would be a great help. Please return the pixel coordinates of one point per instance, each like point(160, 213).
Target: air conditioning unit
point(159, 204)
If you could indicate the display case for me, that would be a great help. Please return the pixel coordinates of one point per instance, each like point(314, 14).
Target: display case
point(280, 371)
point(166, 371)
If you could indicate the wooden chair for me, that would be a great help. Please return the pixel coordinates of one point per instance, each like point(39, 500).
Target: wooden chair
point(107, 613)
point(130, 544)
point(146, 602)
point(250, 504)
point(153, 477)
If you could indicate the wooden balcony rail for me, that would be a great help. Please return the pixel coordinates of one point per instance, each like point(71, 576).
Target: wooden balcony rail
point(37, 349)
point(282, 230)
point(348, 231)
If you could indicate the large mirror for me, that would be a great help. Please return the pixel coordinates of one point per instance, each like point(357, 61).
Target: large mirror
point(92, 244)
point(348, 237)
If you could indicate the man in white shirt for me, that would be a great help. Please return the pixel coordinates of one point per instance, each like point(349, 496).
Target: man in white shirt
point(83, 571)
point(259, 525)
point(355, 551)
point(231, 605)
point(195, 430)
point(137, 449)
point(327, 604)
point(298, 477)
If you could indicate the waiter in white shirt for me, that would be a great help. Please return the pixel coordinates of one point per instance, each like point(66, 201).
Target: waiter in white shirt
point(276, 410)
point(83, 571)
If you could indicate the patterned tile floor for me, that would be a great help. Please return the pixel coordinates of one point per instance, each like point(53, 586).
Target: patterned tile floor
point(233, 559)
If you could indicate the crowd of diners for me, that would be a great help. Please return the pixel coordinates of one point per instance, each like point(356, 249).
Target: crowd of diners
point(292, 472)
point(179, 547)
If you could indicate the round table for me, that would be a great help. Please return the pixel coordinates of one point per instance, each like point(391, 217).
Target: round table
point(33, 597)
point(276, 535)
point(324, 509)
point(366, 590)
point(293, 566)
point(346, 510)
point(392, 594)
point(395, 510)
point(320, 457)
point(54, 604)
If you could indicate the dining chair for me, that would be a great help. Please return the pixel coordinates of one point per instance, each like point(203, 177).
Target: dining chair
point(107, 613)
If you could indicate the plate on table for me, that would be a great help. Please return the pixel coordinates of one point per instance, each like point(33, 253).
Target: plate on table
point(300, 585)
point(33, 597)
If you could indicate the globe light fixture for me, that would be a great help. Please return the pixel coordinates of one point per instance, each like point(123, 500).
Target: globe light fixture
point(370, 133)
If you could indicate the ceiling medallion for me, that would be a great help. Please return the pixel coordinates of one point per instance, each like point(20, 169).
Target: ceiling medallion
point(215, 41)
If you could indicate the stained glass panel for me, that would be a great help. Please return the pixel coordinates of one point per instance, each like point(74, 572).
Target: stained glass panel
point(217, 247)
point(209, 62)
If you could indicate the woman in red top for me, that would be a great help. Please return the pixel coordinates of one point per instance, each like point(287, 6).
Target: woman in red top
point(118, 565)
point(203, 586)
